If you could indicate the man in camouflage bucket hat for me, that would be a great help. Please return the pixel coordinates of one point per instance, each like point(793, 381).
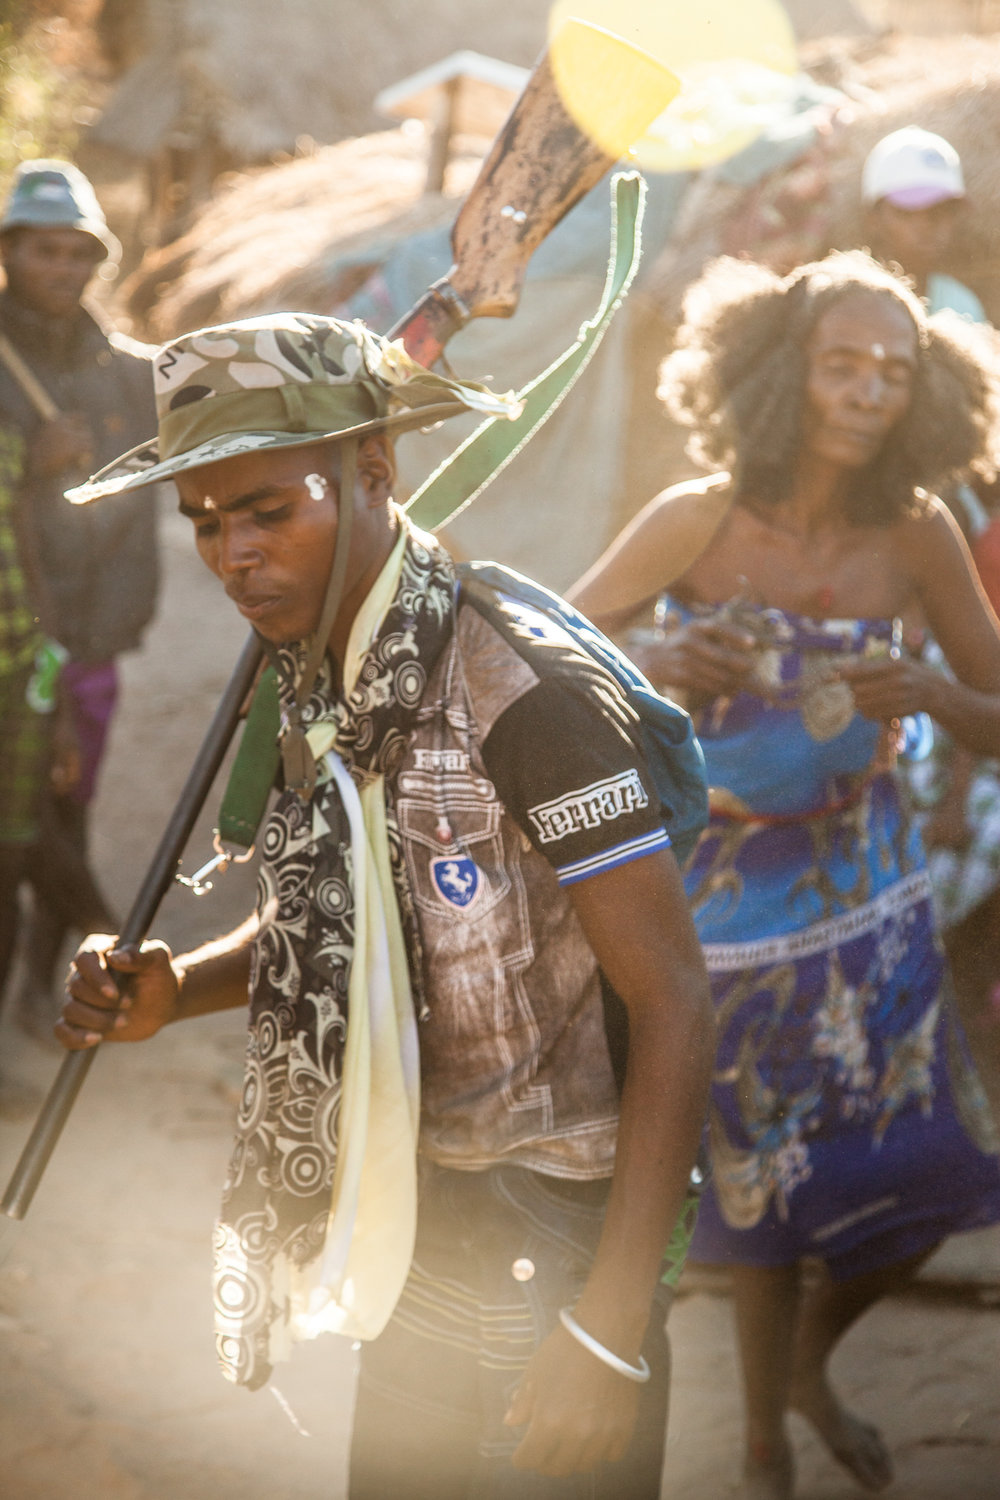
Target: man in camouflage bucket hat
point(282, 381)
point(473, 844)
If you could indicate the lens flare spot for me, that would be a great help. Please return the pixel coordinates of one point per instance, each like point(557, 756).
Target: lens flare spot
point(734, 60)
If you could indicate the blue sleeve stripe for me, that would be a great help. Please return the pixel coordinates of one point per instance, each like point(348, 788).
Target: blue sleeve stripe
point(610, 859)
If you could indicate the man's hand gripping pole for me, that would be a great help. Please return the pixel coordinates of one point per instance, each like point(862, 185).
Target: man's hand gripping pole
point(158, 879)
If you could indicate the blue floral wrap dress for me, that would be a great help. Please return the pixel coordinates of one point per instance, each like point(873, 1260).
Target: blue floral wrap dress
point(846, 1121)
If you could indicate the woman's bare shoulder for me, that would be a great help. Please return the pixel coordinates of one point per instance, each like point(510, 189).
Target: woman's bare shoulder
point(926, 528)
point(656, 547)
point(688, 504)
point(689, 493)
point(928, 546)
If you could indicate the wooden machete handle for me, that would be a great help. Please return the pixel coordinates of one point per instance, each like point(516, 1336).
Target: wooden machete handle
point(541, 164)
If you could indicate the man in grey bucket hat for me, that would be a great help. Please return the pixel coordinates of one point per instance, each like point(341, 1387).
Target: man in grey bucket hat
point(92, 396)
point(467, 855)
point(56, 195)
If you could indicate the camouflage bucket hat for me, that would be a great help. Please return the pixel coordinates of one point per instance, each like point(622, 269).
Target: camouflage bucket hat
point(56, 195)
point(279, 381)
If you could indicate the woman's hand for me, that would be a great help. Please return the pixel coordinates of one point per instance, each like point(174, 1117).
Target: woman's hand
point(705, 658)
point(97, 1009)
point(887, 688)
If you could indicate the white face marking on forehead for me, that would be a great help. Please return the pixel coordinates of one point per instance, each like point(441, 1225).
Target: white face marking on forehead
point(316, 485)
point(208, 503)
point(878, 351)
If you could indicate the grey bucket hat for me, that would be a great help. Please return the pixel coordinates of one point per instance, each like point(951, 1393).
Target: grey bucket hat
point(278, 381)
point(56, 195)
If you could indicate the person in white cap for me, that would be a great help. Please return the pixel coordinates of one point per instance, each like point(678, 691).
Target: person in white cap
point(913, 185)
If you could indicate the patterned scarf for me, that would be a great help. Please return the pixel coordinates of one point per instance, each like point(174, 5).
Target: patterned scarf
point(285, 1230)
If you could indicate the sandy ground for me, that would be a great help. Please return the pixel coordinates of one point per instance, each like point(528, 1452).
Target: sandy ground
point(108, 1379)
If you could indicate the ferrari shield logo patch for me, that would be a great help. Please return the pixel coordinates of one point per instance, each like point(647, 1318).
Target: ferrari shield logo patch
point(457, 880)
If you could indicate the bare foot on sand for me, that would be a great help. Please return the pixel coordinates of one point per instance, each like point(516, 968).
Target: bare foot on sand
point(857, 1445)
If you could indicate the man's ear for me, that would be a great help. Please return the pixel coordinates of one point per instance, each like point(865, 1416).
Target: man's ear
point(377, 468)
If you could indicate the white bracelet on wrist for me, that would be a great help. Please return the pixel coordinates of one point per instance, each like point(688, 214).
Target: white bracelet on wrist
point(639, 1373)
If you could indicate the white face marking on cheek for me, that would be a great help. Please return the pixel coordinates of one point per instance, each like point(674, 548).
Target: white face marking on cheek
point(316, 485)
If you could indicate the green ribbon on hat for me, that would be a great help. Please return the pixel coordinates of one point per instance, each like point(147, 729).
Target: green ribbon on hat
point(454, 485)
point(464, 474)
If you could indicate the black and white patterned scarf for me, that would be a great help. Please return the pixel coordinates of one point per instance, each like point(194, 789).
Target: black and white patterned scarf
point(277, 1197)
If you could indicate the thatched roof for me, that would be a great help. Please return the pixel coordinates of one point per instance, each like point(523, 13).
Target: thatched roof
point(304, 234)
point(260, 76)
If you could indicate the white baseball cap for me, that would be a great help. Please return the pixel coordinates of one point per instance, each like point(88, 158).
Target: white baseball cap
point(913, 168)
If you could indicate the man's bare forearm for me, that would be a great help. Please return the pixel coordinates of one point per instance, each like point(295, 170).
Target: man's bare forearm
point(671, 1047)
point(216, 975)
point(637, 921)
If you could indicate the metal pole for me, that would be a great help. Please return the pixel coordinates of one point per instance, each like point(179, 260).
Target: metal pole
point(158, 879)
